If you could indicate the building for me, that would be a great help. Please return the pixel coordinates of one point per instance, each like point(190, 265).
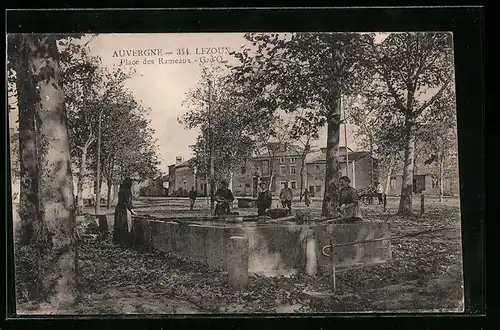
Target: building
point(362, 169)
point(154, 187)
point(285, 166)
point(182, 177)
point(426, 179)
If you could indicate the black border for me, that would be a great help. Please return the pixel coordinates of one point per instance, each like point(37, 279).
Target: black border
point(467, 25)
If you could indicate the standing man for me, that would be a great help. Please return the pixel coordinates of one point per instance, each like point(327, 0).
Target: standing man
point(192, 197)
point(286, 196)
point(379, 191)
point(264, 200)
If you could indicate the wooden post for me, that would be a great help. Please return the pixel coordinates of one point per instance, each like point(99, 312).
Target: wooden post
point(332, 257)
point(385, 203)
point(422, 206)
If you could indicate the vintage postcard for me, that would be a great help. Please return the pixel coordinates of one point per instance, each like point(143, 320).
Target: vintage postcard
point(228, 173)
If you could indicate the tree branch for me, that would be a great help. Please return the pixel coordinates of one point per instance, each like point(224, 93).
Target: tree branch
point(433, 98)
point(392, 90)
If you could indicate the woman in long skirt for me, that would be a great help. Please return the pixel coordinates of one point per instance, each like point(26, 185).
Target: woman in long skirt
point(348, 200)
point(122, 231)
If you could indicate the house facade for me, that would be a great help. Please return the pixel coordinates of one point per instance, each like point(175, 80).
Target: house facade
point(182, 177)
point(426, 179)
point(285, 166)
point(362, 169)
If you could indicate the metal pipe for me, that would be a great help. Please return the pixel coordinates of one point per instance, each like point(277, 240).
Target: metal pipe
point(381, 239)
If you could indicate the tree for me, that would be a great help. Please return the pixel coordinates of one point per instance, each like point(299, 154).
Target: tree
point(228, 123)
point(128, 149)
point(306, 71)
point(438, 136)
point(411, 72)
point(46, 166)
point(90, 89)
point(274, 141)
point(303, 132)
point(26, 95)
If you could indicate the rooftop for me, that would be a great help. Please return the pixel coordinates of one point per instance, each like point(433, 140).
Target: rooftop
point(319, 157)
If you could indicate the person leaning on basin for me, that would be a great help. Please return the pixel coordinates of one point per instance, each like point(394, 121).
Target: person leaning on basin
point(224, 198)
point(122, 228)
point(348, 201)
point(264, 200)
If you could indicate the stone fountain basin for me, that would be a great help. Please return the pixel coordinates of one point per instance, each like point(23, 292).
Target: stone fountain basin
point(277, 248)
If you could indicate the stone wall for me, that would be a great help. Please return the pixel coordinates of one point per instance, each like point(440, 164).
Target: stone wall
point(272, 248)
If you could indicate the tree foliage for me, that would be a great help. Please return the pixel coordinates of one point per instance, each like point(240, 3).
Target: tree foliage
point(412, 72)
point(308, 73)
point(227, 120)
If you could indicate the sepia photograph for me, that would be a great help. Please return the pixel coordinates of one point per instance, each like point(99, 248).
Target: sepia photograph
point(234, 173)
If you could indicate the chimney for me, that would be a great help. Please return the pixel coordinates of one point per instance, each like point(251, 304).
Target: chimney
point(178, 160)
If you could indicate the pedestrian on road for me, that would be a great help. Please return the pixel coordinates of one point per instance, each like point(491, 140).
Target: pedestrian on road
point(192, 198)
point(286, 197)
point(264, 200)
point(307, 197)
point(122, 228)
point(379, 191)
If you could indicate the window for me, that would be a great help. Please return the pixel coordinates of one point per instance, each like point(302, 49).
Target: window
point(318, 189)
point(293, 170)
point(282, 160)
point(311, 190)
point(292, 160)
point(282, 169)
point(265, 167)
point(293, 184)
point(393, 182)
point(243, 170)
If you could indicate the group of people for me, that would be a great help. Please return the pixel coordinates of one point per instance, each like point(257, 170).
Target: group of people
point(223, 197)
point(122, 235)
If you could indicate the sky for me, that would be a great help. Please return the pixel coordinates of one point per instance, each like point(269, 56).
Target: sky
point(162, 87)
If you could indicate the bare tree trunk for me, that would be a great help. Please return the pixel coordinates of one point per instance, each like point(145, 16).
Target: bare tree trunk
point(371, 160)
point(330, 200)
point(28, 199)
point(81, 178)
point(301, 177)
point(231, 174)
point(272, 185)
point(109, 183)
point(115, 193)
point(405, 201)
point(55, 226)
point(101, 179)
point(441, 174)
point(389, 175)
